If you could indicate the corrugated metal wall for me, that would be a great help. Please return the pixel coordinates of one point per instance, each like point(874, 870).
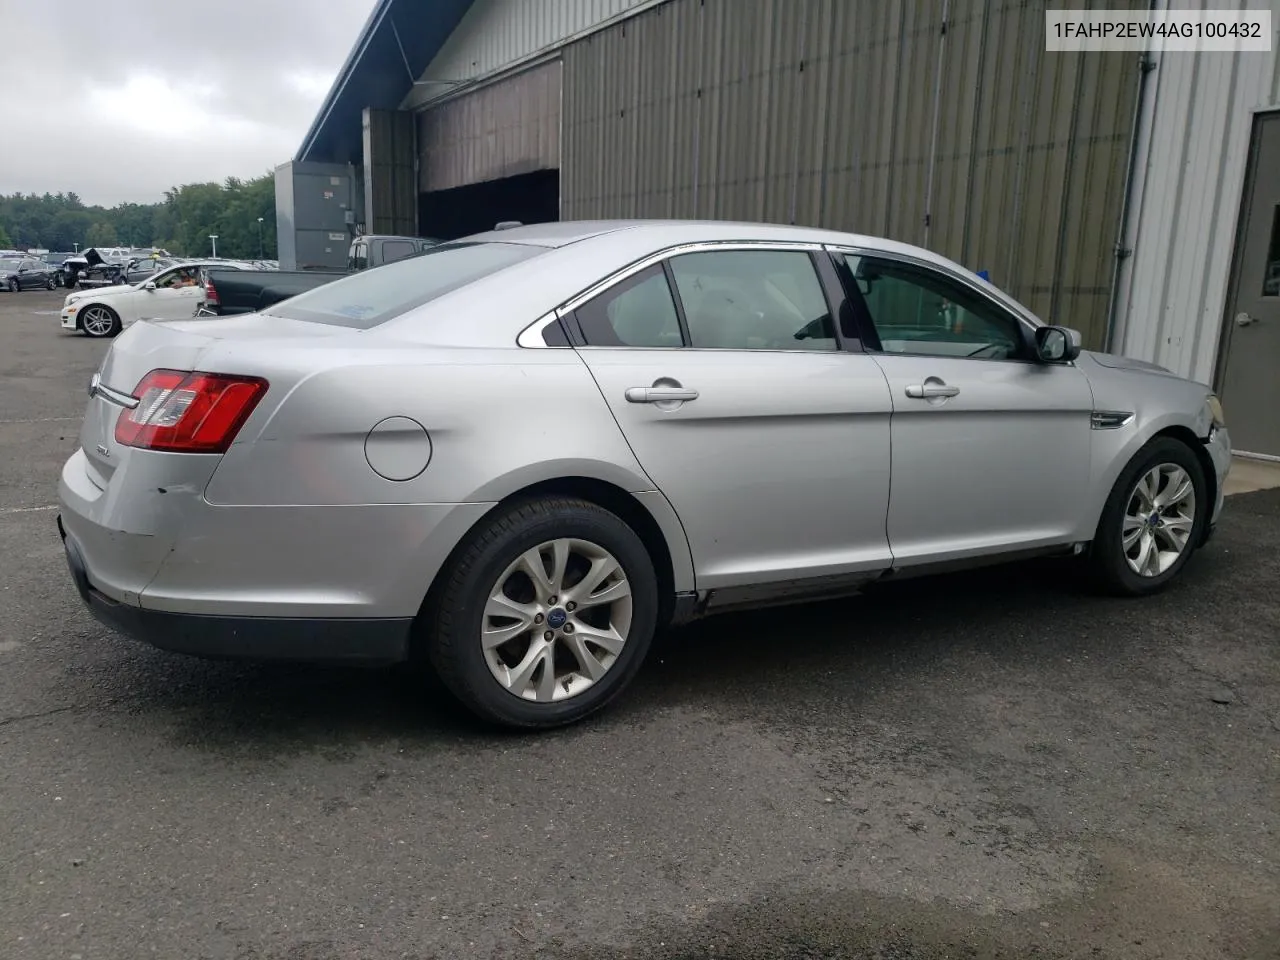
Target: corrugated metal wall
point(494, 34)
point(1193, 151)
point(509, 127)
point(389, 203)
point(824, 112)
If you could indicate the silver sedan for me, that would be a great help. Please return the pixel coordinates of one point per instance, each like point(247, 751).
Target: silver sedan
point(523, 453)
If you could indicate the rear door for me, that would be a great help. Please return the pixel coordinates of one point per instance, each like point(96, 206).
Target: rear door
point(991, 449)
point(766, 431)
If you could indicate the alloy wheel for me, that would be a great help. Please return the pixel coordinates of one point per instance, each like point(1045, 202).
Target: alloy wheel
point(556, 620)
point(1158, 520)
point(97, 321)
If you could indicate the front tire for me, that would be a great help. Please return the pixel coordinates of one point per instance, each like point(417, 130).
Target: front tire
point(1153, 521)
point(543, 615)
point(98, 321)
point(14, 287)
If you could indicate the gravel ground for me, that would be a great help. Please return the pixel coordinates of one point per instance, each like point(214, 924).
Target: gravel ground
point(987, 765)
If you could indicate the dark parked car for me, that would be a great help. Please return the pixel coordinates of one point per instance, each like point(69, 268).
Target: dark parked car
point(94, 268)
point(142, 268)
point(56, 260)
point(25, 273)
point(249, 291)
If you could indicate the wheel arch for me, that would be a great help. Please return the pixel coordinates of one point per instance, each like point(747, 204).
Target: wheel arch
point(1187, 436)
point(1171, 426)
point(648, 514)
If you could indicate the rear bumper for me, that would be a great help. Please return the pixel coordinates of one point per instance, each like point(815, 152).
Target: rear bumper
point(350, 640)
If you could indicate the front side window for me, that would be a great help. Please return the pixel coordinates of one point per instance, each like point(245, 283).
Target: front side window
point(915, 310)
point(638, 312)
point(753, 300)
point(177, 279)
point(359, 256)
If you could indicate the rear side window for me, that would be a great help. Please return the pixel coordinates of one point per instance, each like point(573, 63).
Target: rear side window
point(364, 300)
point(754, 300)
point(638, 312)
point(398, 250)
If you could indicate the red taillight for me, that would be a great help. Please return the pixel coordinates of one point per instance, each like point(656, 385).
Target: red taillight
point(187, 412)
point(211, 294)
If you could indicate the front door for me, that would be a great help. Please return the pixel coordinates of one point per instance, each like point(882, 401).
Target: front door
point(176, 296)
point(990, 448)
point(1250, 383)
point(770, 441)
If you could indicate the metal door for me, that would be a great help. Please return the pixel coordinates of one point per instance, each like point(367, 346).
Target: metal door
point(1250, 384)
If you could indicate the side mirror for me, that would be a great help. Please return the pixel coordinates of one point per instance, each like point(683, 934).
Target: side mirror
point(149, 285)
point(1057, 344)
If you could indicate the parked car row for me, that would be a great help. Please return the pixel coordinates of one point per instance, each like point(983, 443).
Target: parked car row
point(26, 273)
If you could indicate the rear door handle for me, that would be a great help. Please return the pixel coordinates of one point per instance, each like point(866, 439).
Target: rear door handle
point(931, 389)
point(659, 394)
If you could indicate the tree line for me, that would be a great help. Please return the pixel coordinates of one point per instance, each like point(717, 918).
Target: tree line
point(181, 223)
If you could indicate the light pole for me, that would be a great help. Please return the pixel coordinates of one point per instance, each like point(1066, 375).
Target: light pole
point(77, 246)
point(213, 238)
point(260, 253)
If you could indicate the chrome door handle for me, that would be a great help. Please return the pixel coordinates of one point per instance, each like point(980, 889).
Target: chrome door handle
point(931, 389)
point(660, 394)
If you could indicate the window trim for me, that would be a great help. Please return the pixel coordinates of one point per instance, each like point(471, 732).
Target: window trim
point(531, 336)
point(1027, 324)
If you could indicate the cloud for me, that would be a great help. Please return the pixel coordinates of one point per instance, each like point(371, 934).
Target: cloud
point(128, 107)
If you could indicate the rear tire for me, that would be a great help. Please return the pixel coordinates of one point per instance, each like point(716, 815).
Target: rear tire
point(1153, 520)
point(550, 671)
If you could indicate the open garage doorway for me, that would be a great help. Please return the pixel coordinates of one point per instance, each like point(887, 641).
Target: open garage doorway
point(527, 197)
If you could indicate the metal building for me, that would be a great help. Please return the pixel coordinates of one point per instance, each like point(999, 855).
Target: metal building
point(1134, 197)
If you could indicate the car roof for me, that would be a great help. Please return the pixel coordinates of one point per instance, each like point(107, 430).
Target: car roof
point(672, 232)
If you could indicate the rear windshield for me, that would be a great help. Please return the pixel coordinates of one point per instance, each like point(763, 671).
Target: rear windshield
point(371, 297)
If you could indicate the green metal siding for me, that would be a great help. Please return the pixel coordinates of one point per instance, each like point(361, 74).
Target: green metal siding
point(824, 112)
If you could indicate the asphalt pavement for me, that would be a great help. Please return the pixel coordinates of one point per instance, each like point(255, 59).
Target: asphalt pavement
point(993, 764)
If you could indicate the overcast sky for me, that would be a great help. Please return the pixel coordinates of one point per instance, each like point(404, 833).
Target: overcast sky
point(119, 102)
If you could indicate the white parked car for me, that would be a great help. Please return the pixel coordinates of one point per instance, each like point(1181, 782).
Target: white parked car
point(172, 294)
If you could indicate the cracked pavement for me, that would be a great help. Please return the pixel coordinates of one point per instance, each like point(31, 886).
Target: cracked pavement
point(993, 764)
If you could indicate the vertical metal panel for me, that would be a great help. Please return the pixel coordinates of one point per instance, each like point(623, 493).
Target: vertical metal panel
point(312, 200)
point(1193, 154)
point(496, 33)
point(509, 127)
point(390, 192)
point(822, 112)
